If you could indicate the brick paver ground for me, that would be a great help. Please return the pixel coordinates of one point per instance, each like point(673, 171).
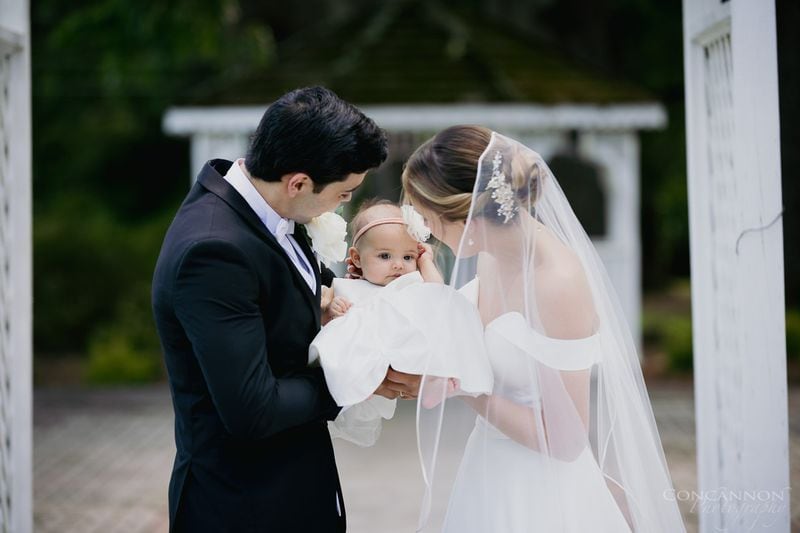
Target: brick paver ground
point(102, 461)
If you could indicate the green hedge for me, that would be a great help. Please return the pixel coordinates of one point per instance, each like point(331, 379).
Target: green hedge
point(672, 334)
point(793, 334)
point(92, 289)
point(126, 349)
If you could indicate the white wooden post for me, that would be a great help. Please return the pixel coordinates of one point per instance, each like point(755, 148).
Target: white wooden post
point(16, 491)
point(737, 265)
point(617, 153)
point(211, 145)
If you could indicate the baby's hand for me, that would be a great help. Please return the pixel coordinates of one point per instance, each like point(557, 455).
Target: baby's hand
point(426, 265)
point(332, 306)
point(339, 306)
point(424, 252)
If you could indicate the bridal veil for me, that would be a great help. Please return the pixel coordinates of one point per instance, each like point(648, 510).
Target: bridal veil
point(568, 427)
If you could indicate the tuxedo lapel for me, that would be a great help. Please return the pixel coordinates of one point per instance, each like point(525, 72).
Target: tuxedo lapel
point(211, 178)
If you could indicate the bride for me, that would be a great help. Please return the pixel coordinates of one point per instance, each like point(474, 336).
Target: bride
point(566, 441)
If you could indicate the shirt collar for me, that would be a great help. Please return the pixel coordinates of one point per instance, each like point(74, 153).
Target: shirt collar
point(276, 224)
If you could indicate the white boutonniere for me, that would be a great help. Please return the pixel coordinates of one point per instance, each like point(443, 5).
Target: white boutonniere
point(328, 233)
point(415, 223)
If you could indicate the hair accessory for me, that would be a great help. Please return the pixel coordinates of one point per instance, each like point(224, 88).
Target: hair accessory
point(502, 194)
point(374, 223)
point(416, 223)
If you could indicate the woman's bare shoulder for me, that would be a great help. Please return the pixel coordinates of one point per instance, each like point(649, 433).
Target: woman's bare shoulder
point(564, 298)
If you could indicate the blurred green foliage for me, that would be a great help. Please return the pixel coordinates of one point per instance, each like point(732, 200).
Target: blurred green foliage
point(793, 334)
point(126, 350)
point(667, 325)
point(103, 74)
point(672, 334)
point(106, 180)
point(98, 269)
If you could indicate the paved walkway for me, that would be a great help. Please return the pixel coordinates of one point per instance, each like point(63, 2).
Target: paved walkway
point(102, 461)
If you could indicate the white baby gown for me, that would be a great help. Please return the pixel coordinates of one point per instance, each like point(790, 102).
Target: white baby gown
point(413, 326)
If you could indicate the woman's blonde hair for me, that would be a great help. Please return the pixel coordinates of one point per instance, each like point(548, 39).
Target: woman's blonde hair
point(440, 174)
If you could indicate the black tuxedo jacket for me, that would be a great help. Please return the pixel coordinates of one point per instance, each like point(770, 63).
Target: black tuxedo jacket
point(235, 320)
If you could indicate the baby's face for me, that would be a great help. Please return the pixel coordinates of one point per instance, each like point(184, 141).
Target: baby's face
point(386, 253)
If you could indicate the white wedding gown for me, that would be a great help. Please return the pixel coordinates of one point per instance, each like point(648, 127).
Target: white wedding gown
point(503, 486)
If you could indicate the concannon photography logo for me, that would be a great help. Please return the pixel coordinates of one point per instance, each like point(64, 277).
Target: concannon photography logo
point(756, 509)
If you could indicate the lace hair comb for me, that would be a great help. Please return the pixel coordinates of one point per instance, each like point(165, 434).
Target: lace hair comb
point(502, 193)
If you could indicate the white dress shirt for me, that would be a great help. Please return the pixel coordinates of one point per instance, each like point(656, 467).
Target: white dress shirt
point(281, 228)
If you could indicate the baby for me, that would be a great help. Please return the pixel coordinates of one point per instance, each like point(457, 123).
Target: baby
point(401, 315)
point(384, 250)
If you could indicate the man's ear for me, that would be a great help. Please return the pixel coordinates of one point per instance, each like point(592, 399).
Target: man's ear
point(298, 183)
point(355, 257)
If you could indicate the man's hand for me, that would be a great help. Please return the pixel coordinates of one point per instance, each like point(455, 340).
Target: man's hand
point(326, 297)
point(399, 385)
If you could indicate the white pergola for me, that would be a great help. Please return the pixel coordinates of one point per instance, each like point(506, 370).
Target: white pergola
point(16, 510)
point(734, 171)
point(608, 136)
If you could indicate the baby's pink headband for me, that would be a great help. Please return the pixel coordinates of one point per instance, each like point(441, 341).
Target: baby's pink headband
point(374, 223)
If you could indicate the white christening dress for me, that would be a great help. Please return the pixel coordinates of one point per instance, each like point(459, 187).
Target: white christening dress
point(415, 327)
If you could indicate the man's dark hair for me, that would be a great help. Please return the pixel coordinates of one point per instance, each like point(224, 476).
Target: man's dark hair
point(313, 131)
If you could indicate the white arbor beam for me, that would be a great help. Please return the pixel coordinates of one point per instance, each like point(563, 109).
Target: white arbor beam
point(403, 117)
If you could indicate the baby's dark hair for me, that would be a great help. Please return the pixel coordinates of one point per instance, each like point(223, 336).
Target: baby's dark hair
point(361, 219)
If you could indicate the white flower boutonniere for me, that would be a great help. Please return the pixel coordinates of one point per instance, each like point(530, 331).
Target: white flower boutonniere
point(415, 223)
point(328, 233)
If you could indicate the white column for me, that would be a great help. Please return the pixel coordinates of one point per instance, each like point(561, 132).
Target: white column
point(618, 156)
point(16, 492)
point(733, 158)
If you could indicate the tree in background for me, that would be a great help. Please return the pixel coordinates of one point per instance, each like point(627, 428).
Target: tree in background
point(106, 180)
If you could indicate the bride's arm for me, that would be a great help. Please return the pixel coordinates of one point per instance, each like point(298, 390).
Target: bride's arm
point(519, 422)
point(559, 425)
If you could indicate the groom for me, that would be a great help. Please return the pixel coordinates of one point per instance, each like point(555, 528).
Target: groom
point(236, 297)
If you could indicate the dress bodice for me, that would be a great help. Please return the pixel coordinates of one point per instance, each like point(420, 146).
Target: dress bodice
point(516, 350)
